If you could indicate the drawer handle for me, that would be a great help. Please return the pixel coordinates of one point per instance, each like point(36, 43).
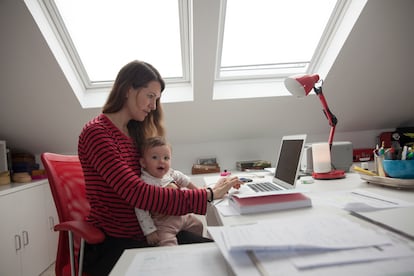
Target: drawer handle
point(25, 238)
point(17, 243)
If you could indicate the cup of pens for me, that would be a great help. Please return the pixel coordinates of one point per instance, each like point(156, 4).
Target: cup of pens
point(399, 164)
point(399, 168)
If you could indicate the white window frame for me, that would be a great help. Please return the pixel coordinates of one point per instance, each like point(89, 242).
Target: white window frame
point(94, 94)
point(340, 24)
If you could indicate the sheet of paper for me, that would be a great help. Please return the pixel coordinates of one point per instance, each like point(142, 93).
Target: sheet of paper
point(203, 261)
point(225, 209)
point(279, 265)
point(395, 259)
point(352, 256)
point(398, 219)
point(240, 262)
point(317, 232)
point(358, 200)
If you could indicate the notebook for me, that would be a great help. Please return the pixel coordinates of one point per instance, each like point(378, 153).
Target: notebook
point(286, 171)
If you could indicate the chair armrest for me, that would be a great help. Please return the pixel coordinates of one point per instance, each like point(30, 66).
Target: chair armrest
point(84, 229)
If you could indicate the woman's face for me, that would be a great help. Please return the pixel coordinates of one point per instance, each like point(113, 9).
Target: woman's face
point(141, 101)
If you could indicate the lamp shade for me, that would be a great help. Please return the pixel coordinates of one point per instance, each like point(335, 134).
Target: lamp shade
point(301, 85)
point(321, 158)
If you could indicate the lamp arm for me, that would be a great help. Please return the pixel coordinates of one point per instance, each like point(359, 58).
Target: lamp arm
point(329, 115)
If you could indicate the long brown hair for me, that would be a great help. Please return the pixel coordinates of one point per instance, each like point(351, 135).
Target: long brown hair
point(137, 74)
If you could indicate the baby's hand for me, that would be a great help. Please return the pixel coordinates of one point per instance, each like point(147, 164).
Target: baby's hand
point(158, 215)
point(172, 185)
point(153, 239)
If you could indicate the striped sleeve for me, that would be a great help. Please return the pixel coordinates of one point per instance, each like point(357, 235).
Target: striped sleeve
point(114, 188)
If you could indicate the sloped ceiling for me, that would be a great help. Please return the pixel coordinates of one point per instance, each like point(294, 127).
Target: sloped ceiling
point(369, 87)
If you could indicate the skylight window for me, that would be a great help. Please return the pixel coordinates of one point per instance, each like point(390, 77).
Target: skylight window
point(271, 38)
point(106, 35)
point(242, 48)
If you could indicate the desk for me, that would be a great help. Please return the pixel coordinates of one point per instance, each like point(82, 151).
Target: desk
point(319, 187)
point(315, 190)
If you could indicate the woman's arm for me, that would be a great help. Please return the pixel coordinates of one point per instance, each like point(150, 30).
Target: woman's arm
point(114, 159)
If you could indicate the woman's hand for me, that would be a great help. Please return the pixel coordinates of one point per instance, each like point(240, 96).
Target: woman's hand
point(224, 185)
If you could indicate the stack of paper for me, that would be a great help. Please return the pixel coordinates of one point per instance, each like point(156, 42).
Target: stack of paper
point(314, 233)
point(306, 243)
point(259, 204)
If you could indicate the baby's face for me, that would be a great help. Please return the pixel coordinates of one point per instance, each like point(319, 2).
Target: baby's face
point(157, 161)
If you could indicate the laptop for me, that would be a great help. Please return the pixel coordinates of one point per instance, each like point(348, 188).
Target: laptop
point(286, 171)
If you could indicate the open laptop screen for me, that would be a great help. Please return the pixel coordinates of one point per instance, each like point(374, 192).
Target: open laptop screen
point(289, 160)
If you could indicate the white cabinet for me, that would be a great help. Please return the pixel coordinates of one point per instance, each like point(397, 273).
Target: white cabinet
point(10, 237)
point(25, 231)
point(52, 219)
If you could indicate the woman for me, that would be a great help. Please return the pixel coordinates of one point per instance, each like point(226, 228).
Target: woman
point(108, 149)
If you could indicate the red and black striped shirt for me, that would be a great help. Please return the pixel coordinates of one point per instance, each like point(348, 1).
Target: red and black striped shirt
point(110, 163)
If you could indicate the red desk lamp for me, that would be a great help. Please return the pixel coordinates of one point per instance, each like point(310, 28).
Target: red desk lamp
point(301, 86)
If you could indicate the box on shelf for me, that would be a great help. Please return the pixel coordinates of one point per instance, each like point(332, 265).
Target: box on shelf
point(201, 169)
point(252, 165)
point(363, 155)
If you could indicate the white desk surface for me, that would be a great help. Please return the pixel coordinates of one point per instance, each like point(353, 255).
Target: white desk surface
point(350, 182)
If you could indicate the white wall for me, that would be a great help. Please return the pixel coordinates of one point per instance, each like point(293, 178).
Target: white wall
point(228, 152)
point(369, 88)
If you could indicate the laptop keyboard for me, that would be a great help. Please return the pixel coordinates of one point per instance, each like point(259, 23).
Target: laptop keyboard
point(263, 187)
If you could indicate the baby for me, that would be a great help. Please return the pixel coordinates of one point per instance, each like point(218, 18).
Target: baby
point(156, 170)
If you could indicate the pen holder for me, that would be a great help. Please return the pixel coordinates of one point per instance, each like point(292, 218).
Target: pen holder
point(379, 165)
point(399, 168)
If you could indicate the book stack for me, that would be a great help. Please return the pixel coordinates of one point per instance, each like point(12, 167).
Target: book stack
point(252, 165)
point(258, 204)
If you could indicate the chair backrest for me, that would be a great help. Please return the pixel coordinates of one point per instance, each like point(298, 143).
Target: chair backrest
point(67, 184)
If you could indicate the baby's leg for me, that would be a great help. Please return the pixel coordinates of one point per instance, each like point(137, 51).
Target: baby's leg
point(167, 229)
point(192, 224)
point(167, 239)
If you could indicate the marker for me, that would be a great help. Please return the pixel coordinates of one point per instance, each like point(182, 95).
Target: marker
point(376, 150)
point(390, 154)
point(381, 150)
point(410, 153)
point(404, 153)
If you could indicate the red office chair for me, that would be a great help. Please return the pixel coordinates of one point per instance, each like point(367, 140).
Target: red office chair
point(67, 184)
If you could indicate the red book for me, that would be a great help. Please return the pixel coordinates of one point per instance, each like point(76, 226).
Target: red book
point(268, 203)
